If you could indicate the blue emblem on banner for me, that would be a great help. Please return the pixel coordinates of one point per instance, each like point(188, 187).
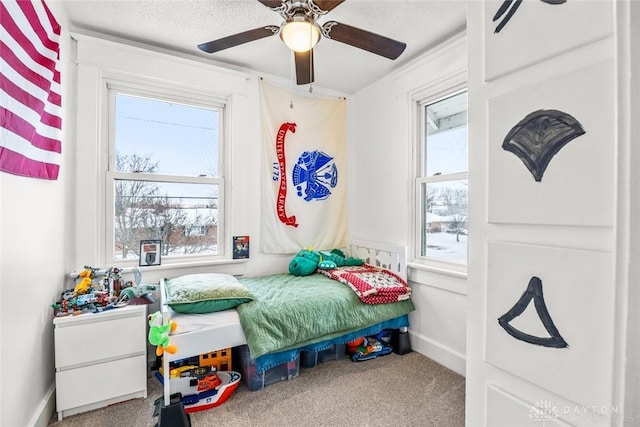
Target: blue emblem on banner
point(315, 172)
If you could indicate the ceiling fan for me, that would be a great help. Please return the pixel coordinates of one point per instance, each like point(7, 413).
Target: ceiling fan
point(300, 32)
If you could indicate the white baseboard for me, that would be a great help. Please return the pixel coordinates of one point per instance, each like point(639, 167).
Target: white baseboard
point(45, 409)
point(440, 353)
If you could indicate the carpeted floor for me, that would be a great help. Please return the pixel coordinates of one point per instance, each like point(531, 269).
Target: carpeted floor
point(408, 390)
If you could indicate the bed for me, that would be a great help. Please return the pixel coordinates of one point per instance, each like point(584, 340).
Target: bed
point(273, 341)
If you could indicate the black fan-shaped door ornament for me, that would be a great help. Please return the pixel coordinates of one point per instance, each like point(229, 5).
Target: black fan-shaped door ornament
point(539, 136)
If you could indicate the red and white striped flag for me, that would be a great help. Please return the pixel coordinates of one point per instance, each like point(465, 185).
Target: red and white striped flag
point(30, 94)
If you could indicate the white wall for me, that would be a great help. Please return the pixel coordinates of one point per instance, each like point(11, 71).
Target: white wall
point(380, 155)
point(33, 269)
point(34, 234)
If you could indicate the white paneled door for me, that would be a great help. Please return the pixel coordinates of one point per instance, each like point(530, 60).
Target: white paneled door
point(545, 330)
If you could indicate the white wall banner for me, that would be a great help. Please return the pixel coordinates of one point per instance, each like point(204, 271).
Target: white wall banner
point(304, 151)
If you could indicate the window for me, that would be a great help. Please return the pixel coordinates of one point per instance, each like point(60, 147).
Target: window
point(164, 179)
point(442, 181)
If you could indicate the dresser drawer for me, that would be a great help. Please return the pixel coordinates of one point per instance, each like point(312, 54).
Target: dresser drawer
point(102, 381)
point(96, 339)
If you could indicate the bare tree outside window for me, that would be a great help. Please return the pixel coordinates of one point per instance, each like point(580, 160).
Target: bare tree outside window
point(130, 199)
point(143, 211)
point(458, 226)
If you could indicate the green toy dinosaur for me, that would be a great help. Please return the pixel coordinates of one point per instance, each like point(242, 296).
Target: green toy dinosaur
point(159, 333)
point(307, 261)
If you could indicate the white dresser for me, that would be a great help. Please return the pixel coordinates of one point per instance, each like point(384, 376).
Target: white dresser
point(100, 358)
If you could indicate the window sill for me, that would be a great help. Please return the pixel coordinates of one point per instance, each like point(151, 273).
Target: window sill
point(438, 277)
point(128, 268)
point(439, 270)
point(190, 264)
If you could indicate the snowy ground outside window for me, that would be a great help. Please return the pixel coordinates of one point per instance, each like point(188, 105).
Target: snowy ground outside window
point(443, 246)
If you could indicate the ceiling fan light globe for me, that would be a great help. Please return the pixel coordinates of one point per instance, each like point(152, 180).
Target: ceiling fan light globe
point(300, 36)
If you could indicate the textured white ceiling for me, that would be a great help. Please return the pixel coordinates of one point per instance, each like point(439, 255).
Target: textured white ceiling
point(181, 25)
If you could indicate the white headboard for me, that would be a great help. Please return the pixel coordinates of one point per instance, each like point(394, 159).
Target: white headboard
point(383, 255)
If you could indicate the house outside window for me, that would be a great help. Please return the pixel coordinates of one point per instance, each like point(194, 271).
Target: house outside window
point(442, 181)
point(165, 174)
point(196, 230)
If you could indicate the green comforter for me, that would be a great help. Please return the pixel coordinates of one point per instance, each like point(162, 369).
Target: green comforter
point(291, 311)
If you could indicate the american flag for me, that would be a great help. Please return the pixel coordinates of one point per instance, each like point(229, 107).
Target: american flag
point(30, 94)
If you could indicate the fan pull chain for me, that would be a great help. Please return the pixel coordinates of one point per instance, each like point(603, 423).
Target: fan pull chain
point(292, 69)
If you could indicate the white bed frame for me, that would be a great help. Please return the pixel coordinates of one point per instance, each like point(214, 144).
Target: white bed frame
point(393, 258)
point(227, 331)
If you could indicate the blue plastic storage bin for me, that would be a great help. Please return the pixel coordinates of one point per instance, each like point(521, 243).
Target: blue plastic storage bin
point(256, 380)
point(309, 359)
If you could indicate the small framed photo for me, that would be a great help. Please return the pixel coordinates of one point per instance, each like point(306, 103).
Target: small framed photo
point(150, 251)
point(240, 247)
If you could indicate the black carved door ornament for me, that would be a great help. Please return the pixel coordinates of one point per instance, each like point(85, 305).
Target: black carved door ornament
point(539, 136)
point(509, 7)
point(533, 292)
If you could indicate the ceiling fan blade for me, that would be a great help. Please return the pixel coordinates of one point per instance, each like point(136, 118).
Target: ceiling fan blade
point(363, 39)
point(304, 67)
point(328, 5)
point(271, 3)
point(238, 39)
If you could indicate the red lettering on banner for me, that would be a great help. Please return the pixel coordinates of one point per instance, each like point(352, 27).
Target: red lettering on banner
point(282, 191)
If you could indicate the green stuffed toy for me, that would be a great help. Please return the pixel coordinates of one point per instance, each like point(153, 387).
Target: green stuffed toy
point(159, 333)
point(307, 261)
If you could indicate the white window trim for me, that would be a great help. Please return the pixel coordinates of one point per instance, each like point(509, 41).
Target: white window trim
point(444, 87)
point(127, 84)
